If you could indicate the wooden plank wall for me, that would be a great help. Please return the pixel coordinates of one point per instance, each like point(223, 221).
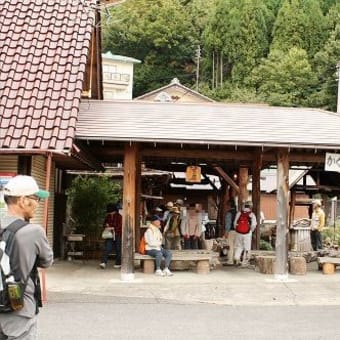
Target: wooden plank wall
point(39, 173)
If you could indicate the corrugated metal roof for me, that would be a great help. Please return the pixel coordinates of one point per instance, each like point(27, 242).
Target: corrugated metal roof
point(220, 124)
point(44, 48)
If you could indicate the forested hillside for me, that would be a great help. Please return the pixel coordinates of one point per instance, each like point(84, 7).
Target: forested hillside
point(282, 52)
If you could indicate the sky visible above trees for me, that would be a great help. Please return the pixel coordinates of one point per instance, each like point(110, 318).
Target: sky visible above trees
point(282, 52)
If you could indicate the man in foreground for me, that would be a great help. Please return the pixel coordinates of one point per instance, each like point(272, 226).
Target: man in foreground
point(30, 250)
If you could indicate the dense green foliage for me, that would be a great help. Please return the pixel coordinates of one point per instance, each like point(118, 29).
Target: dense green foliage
point(88, 198)
point(282, 52)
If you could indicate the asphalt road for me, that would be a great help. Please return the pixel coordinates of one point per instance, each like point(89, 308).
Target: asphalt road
point(67, 316)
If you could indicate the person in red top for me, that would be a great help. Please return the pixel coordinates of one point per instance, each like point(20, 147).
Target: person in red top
point(113, 222)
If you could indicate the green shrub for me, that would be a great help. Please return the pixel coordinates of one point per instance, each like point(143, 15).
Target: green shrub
point(88, 197)
point(331, 234)
point(264, 245)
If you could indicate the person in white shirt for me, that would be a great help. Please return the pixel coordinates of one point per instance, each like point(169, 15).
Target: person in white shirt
point(245, 223)
point(153, 247)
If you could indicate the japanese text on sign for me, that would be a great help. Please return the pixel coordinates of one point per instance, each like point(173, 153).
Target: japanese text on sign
point(332, 162)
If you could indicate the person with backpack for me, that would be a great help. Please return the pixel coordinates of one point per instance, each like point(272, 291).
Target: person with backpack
point(230, 232)
point(27, 248)
point(245, 223)
point(172, 229)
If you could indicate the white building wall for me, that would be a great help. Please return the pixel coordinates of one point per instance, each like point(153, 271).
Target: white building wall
point(117, 79)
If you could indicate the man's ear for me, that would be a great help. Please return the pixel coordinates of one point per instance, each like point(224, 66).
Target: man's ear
point(23, 202)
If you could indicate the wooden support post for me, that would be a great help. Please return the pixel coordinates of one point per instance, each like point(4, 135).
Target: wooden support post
point(42, 272)
point(130, 207)
point(223, 204)
point(256, 197)
point(243, 181)
point(281, 250)
point(292, 207)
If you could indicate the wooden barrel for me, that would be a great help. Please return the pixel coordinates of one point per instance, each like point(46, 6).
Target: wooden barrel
point(300, 239)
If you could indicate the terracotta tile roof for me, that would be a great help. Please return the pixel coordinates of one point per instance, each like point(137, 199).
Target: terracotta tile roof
point(43, 57)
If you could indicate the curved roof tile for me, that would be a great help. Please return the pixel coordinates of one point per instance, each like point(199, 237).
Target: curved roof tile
point(42, 61)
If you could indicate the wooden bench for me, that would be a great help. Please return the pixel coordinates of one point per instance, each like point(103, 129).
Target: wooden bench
point(201, 257)
point(328, 264)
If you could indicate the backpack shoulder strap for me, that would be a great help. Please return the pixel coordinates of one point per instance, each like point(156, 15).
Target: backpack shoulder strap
point(15, 226)
point(11, 231)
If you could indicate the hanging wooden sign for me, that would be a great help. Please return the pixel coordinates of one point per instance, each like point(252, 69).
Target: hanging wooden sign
point(193, 174)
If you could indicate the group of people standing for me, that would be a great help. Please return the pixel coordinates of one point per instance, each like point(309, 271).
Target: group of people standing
point(240, 225)
point(176, 227)
point(180, 227)
point(183, 226)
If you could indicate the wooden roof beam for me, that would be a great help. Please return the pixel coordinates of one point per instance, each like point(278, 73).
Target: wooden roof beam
point(228, 179)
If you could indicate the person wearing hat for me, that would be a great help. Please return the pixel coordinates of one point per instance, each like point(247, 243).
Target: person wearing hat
point(317, 225)
point(153, 247)
point(31, 250)
point(172, 233)
point(245, 223)
point(166, 213)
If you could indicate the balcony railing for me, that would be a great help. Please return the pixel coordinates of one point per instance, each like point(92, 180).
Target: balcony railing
point(118, 78)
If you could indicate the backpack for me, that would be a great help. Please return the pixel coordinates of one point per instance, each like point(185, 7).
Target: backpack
point(243, 223)
point(12, 286)
point(210, 231)
point(142, 246)
point(174, 223)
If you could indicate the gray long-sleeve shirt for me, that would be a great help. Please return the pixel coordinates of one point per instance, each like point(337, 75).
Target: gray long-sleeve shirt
point(31, 244)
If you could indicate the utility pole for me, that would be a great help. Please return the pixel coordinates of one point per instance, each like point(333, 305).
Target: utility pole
point(198, 57)
point(338, 74)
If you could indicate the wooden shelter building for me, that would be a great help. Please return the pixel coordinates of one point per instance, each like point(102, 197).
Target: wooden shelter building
point(52, 118)
point(234, 141)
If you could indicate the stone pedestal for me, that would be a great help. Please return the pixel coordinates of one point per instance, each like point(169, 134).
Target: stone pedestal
point(148, 266)
point(203, 267)
point(297, 265)
point(266, 264)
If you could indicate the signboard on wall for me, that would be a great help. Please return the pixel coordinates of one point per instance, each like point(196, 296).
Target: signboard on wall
point(332, 162)
point(4, 178)
point(193, 174)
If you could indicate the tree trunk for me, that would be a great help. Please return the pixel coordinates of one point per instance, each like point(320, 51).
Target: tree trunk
point(281, 266)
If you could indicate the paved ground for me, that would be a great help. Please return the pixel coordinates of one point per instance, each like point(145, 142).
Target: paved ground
point(225, 286)
point(86, 302)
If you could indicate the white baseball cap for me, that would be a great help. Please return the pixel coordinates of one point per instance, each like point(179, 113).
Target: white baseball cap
point(317, 202)
point(22, 185)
